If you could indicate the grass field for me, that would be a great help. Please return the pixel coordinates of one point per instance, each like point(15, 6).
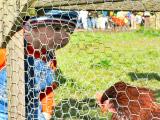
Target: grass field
point(93, 61)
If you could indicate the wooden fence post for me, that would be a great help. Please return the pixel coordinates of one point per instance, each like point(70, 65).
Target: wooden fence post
point(15, 77)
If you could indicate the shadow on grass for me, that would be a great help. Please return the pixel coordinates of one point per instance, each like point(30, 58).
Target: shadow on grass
point(145, 76)
point(77, 109)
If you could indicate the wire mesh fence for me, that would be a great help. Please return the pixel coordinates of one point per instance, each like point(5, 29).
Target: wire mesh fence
point(80, 60)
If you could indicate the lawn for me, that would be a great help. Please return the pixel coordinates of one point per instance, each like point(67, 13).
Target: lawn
point(93, 61)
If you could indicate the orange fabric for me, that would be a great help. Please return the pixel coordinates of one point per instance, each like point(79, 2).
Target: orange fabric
point(53, 64)
point(118, 21)
point(47, 99)
point(48, 102)
point(2, 58)
point(47, 96)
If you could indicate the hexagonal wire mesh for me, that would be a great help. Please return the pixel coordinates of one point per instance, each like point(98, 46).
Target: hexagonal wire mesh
point(80, 60)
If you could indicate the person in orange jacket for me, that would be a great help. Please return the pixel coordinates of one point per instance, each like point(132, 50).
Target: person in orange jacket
point(43, 35)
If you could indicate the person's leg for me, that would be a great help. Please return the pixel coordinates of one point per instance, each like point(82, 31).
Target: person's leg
point(103, 23)
point(84, 21)
point(93, 23)
point(89, 23)
point(79, 24)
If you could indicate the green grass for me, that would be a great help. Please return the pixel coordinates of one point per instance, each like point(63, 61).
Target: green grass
point(93, 61)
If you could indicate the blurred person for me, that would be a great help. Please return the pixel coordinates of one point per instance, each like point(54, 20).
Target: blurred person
point(100, 22)
point(117, 20)
point(111, 13)
point(128, 17)
point(105, 22)
point(146, 15)
point(123, 15)
point(89, 22)
point(92, 19)
point(133, 20)
point(120, 14)
point(79, 21)
point(83, 16)
point(46, 34)
point(138, 19)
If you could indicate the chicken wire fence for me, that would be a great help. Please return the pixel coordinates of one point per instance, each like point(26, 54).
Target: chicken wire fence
point(57, 55)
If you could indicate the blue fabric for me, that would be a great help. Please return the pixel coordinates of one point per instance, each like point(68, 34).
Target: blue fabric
point(3, 84)
point(105, 13)
point(3, 77)
point(3, 116)
point(44, 76)
point(129, 15)
point(3, 110)
point(3, 95)
point(92, 22)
